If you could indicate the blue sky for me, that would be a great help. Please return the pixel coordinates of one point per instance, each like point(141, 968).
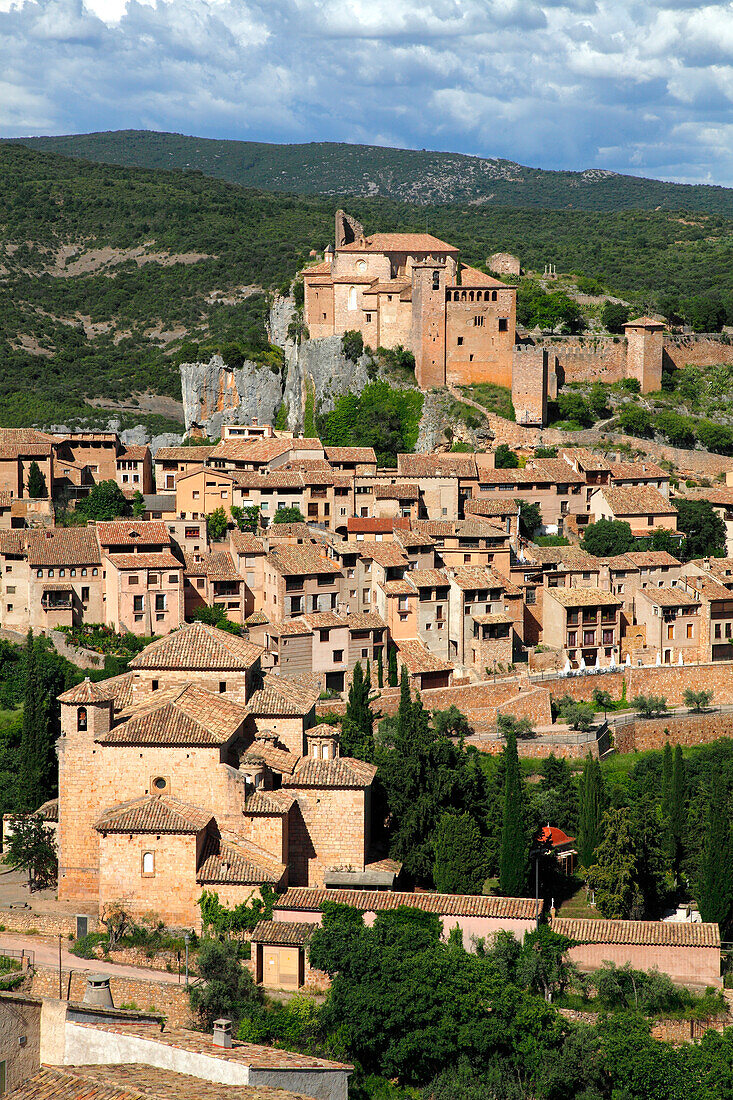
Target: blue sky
point(638, 87)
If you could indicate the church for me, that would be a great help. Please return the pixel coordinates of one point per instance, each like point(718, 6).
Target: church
point(194, 771)
point(411, 289)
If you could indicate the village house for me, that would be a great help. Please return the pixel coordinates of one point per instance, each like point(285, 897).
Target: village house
point(644, 508)
point(584, 624)
point(171, 462)
point(134, 468)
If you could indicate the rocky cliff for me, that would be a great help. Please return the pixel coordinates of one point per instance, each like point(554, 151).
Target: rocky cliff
point(214, 394)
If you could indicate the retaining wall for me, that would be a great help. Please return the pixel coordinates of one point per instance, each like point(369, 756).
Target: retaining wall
point(165, 997)
point(46, 924)
point(644, 734)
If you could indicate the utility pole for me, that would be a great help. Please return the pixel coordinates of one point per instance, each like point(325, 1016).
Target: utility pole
point(186, 939)
point(61, 996)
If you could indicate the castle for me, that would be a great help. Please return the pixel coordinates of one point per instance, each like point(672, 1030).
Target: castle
point(410, 289)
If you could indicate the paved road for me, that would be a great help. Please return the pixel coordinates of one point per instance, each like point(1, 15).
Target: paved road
point(46, 952)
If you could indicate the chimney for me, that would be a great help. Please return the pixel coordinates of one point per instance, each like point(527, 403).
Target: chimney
point(222, 1036)
point(98, 992)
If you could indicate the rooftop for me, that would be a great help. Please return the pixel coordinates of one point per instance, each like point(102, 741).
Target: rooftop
point(63, 546)
point(133, 532)
point(281, 696)
point(135, 1081)
point(417, 658)
point(303, 559)
point(180, 715)
point(637, 500)
point(307, 899)
point(284, 933)
point(156, 814)
point(648, 932)
point(583, 597)
point(341, 771)
point(399, 242)
point(201, 647)
point(240, 861)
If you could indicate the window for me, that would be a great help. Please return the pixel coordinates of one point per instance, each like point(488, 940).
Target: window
point(478, 322)
point(199, 582)
point(138, 603)
point(530, 596)
point(196, 494)
point(338, 656)
point(72, 572)
point(589, 637)
point(670, 633)
point(222, 686)
point(608, 637)
point(503, 324)
point(154, 685)
point(9, 607)
point(352, 298)
point(160, 602)
point(365, 652)
point(85, 594)
point(153, 578)
point(148, 864)
point(84, 572)
point(11, 589)
point(459, 341)
point(369, 318)
point(50, 572)
point(62, 572)
point(133, 580)
point(649, 521)
point(324, 635)
point(95, 572)
point(572, 638)
point(81, 719)
point(172, 579)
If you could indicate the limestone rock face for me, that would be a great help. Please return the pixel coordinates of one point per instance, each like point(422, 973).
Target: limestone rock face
point(321, 367)
point(282, 312)
point(214, 394)
point(434, 421)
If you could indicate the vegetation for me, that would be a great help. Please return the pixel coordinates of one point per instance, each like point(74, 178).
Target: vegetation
point(607, 537)
point(514, 847)
point(220, 920)
point(217, 525)
point(291, 514)
point(505, 458)
point(378, 417)
point(32, 848)
point(105, 501)
point(497, 399)
point(226, 988)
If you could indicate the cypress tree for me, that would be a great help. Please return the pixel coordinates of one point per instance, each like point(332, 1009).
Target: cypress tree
point(404, 711)
point(34, 754)
point(514, 849)
point(715, 890)
point(357, 728)
point(667, 767)
point(392, 668)
point(677, 814)
point(592, 805)
point(380, 669)
point(36, 481)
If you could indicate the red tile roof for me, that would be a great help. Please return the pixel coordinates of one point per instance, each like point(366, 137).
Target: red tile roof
point(647, 932)
point(157, 814)
point(88, 692)
point(135, 1081)
point(198, 646)
point(133, 532)
point(162, 560)
point(418, 659)
point(240, 861)
point(399, 242)
point(306, 899)
point(304, 559)
point(282, 933)
point(351, 454)
point(343, 771)
point(282, 696)
point(63, 546)
point(183, 715)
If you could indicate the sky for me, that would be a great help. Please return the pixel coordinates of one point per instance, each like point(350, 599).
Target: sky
point(625, 85)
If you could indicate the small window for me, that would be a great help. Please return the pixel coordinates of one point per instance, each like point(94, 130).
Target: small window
point(72, 572)
point(95, 572)
point(436, 280)
point(338, 656)
point(172, 578)
point(369, 318)
point(62, 572)
point(503, 324)
point(84, 572)
point(148, 864)
point(154, 685)
point(81, 719)
point(160, 783)
point(134, 579)
point(39, 572)
point(160, 602)
point(222, 686)
point(85, 594)
point(137, 604)
point(459, 341)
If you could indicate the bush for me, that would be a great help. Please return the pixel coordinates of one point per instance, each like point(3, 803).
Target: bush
point(636, 421)
point(649, 706)
point(571, 406)
point(505, 458)
point(352, 345)
point(85, 947)
point(227, 988)
point(614, 316)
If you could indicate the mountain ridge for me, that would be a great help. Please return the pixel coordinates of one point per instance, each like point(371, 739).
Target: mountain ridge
point(409, 175)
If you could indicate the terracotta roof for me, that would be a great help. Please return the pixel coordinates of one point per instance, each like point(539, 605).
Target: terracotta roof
point(281, 696)
point(247, 1054)
point(651, 558)
point(372, 525)
point(587, 596)
point(122, 689)
point(397, 588)
point(411, 539)
point(263, 752)
point(305, 559)
point(49, 811)
point(399, 242)
point(290, 628)
point(12, 451)
point(303, 898)
point(134, 451)
point(6, 498)
point(623, 471)
point(647, 932)
point(404, 491)
point(282, 933)
point(218, 565)
point(350, 454)
point(201, 647)
point(15, 542)
point(224, 861)
point(298, 530)
point(587, 459)
point(161, 560)
point(257, 618)
point(440, 465)
point(493, 618)
point(555, 836)
point(26, 435)
point(183, 454)
point(645, 321)
point(63, 546)
point(494, 506)
point(637, 500)
point(277, 803)
point(191, 716)
point(428, 578)
point(322, 620)
point(156, 814)
point(343, 771)
point(471, 276)
point(133, 532)
point(136, 1081)
point(384, 553)
point(470, 577)
point(418, 658)
point(244, 542)
point(318, 269)
point(366, 620)
point(269, 479)
point(554, 469)
point(88, 692)
point(707, 587)
point(668, 596)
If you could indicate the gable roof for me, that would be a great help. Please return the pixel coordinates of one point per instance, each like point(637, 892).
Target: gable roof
point(240, 861)
point(63, 546)
point(305, 898)
point(436, 465)
point(135, 1081)
point(341, 771)
point(88, 692)
point(418, 659)
point(133, 532)
point(398, 242)
point(184, 715)
point(283, 933)
point(155, 814)
point(201, 647)
point(651, 932)
point(306, 559)
point(281, 696)
point(637, 500)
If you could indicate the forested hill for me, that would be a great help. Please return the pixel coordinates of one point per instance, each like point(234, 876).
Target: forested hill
point(415, 176)
point(106, 272)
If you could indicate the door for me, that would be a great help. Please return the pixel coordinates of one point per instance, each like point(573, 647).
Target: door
point(289, 967)
point(271, 967)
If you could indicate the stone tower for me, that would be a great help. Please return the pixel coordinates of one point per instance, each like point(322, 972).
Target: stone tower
point(429, 281)
point(644, 352)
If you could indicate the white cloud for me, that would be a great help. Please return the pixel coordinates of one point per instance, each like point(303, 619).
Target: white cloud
point(633, 85)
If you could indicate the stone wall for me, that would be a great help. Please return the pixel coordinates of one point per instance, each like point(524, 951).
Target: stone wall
point(45, 924)
point(700, 349)
point(168, 998)
point(588, 358)
point(644, 734)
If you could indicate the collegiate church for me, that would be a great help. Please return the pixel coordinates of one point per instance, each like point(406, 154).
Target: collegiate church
point(410, 289)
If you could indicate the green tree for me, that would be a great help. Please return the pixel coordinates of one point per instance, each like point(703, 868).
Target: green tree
point(380, 668)
point(702, 527)
point(715, 888)
point(614, 874)
point(542, 966)
point(138, 504)
point(677, 810)
point(292, 514)
point(460, 865)
point(530, 518)
point(226, 988)
point(591, 805)
point(558, 793)
point(578, 715)
point(667, 769)
point(598, 401)
point(246, 519)
point(636, 421)
point(573, 407)
point(649, 706)
point(357, 728)
point(505, 458)
point(514, 847)
point(392, 667)
point(35, 766)
point(36, 481)
point(607, 537)
point(217, 525)
point(216, 616)
point(519, 728)
point(32, 848)
point(614, 316)
point(697, 700)
point(105, 501)
point(352, 345)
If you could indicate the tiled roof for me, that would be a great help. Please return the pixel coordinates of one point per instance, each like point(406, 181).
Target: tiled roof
point(298, 530)
point(583, 597)
point(133, 532)
point(278, 802)
point(371, 525)
point(350, 454)
point(156, 814)
point(440, 465)
point(469, 577)
point(282, 933)
point(262, 752)
point(646, 322)
point(707, 587)
point(15, 542)
point(12, 451)
point(627, 471)
point(63, 546)
point(257, 618)
point(342, 771)
point(651, 558)
point(218, 565)
point(247, 1054)
point(399, 242)
point(184, 715)
point(366, 620)
point(136, 1081)
point(49, 811)
point(647, 932)
point(428, 578)
point(493, 618)
point(198, 646)
point(637, 500)
point(418, 658)
point(136, 452)
point(554, 469)
point(494, 506)
point(25, 435)
point(668, 596)
point(397, 588)
point(161, 560)
point(404, 491)
point(183, 454)
point(6, 499)
point(290, 628)
point(471, 276)
point(121, 687)
point(383, 553)
point(281, 696)
point(239, 861)
point(322, 620)
point(295, 560)
point(454, 905)
point(244, 542)
point(587, 459)
point(410, 539)
point(88, 692)
point(269, 479)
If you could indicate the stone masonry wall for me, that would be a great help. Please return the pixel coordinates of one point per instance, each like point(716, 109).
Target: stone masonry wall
point(169, 998)
point(46, 924)
point(689, 729)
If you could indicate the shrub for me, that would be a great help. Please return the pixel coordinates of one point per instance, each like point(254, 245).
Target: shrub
point(352, 345)
point(85, 946)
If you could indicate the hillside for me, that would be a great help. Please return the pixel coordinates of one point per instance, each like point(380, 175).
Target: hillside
point(110, 275)
point(415, 176)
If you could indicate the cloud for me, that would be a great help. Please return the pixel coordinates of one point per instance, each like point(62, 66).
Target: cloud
point(641, 86)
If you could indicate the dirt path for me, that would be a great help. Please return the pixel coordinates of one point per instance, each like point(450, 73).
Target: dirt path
point(46, 953)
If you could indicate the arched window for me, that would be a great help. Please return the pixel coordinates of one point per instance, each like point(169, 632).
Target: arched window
point(352, 297)
point(148, 863)
point(81, 719)
point(487, 296)
point(470, 295)
point(324, 752)
point(436, 280)
point(463, 295)
point(494, 295)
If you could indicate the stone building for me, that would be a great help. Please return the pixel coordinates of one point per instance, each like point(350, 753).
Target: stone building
point(410, 289)
point(194, 772)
